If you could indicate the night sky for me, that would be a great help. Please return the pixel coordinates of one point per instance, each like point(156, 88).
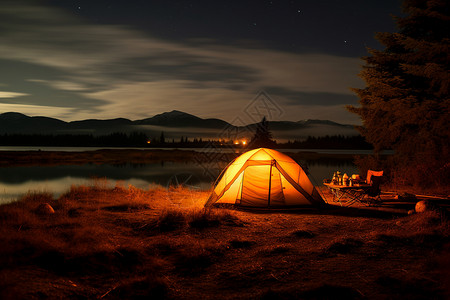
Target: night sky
point(100, 59)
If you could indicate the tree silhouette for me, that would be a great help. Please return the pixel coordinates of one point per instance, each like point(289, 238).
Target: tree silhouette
point(262, 136)
point(405, 104)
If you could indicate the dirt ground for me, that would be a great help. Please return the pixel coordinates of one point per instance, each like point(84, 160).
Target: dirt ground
point(125, 243)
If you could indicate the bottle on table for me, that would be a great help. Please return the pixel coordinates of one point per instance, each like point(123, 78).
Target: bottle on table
point(345, 179)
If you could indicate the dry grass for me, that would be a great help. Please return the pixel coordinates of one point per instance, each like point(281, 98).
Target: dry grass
point(195, 218)
point(122, 242)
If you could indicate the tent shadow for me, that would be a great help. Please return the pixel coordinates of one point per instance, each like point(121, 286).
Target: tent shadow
point(327, 209)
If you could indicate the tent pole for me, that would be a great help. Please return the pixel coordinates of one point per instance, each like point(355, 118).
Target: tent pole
point(270, 182)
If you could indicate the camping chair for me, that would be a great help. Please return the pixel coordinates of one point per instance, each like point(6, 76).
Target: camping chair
point(371, 173)
point(370, 196)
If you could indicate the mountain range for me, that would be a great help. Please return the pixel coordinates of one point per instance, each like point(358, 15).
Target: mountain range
point(174, 124)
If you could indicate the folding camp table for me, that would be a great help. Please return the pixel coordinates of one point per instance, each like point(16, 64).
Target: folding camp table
point(354, 193)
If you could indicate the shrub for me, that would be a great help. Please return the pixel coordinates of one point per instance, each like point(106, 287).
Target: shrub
point(206, 217)
point(171, 219)
point(176, 218)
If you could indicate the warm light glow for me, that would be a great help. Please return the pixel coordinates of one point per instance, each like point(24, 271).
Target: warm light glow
point(148, 142)
point(244, 142)
point(236, 143)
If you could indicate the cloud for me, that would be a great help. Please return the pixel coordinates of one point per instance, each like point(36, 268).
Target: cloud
point(62, 85)
point(11, 94)
point(298, 72)
point(108, 71)
point(149, 98)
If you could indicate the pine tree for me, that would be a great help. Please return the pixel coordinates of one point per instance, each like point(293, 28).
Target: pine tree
point(405, 105)
point(263, 136)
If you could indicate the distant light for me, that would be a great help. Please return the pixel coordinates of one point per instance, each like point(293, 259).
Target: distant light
point(148, 142)
point(236, 143)
point(244, 142)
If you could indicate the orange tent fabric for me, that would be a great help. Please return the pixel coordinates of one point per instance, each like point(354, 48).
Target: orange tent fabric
point(264, 178)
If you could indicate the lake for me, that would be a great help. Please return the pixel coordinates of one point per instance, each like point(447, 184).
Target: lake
point(16, 181)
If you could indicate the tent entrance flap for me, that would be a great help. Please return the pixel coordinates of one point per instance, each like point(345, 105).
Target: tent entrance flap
point(276, 189)
point(254, 186)
point(255, 183)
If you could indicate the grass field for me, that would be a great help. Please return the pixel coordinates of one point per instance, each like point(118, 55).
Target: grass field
point(127, 243)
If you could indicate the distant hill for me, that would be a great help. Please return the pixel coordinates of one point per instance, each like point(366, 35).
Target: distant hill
point(174, 124)
point(93, 124)
point(289, 125)
point(12, 122)
point(177, 118)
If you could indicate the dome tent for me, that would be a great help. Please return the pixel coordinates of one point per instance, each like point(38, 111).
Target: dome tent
point(264, 178)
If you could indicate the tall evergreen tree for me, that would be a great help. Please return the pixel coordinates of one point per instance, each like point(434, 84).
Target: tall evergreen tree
point(405, 105)
point(262, 136)
point(162, 138)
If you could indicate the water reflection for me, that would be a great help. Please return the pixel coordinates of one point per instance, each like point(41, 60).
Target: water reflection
point(16, 181)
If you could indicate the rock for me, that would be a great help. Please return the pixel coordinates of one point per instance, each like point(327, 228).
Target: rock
point(427, 206)
point(424, 205)
point(45, 209)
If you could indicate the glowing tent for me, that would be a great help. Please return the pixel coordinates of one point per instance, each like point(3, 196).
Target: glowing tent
point(264, 178)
